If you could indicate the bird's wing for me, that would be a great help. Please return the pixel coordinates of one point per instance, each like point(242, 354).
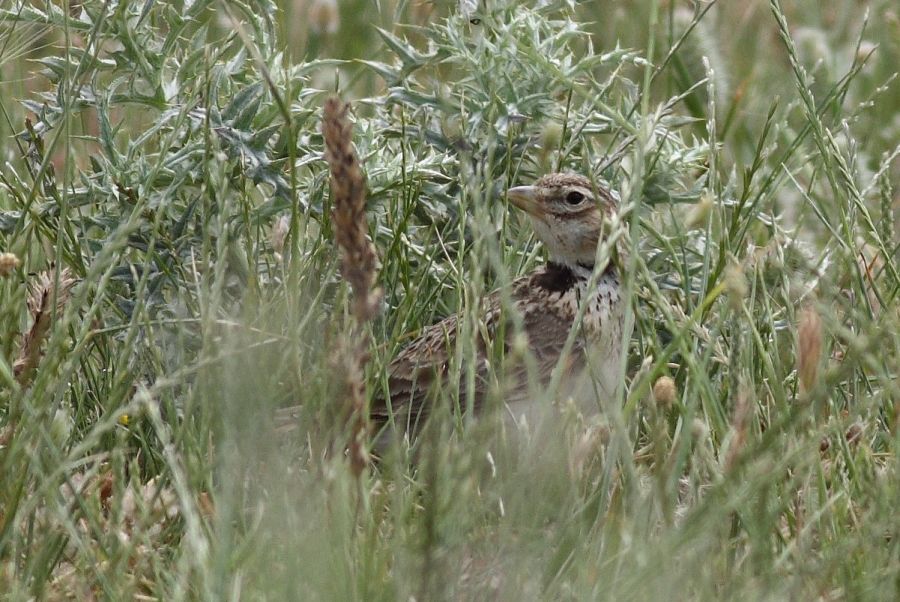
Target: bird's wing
point(414, 371)
point(425, 363)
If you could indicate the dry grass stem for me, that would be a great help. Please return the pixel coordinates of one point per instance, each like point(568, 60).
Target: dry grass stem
point(740, 422)
point(324, 17)
point(809, 347)
point(358, 265)
point(348, 192)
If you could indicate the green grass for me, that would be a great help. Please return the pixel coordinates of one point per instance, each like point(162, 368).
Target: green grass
point(156, 152)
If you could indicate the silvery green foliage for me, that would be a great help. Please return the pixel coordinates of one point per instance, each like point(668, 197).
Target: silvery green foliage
point(186, 128)
point(500, 94)
point(517, 94)
point(492, 95)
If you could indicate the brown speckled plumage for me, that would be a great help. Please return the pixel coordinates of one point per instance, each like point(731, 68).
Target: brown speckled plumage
point(547, 300)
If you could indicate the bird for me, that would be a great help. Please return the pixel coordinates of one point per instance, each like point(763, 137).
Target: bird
point(568, 213)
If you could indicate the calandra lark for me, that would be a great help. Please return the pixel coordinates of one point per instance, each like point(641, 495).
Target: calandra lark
point(568, 214)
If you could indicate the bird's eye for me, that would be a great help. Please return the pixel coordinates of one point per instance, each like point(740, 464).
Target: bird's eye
point(574, 197)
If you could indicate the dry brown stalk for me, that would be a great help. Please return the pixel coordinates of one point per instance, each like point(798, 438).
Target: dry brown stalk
point(40, 297)
point(358, 264)
point(740, 423)
point(809, 351)
point(348, 192)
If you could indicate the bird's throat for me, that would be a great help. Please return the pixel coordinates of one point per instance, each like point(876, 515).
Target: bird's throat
point(558, 277)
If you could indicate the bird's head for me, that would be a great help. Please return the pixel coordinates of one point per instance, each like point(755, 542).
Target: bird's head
point(568, 212)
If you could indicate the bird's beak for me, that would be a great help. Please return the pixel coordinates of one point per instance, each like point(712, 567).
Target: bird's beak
point(525, 198)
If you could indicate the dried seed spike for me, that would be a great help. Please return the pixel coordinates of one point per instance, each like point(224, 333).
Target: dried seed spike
point(324, 17)
point(809, 347)
point(41, 291)
point(40, 296)
point(348, 190)
point(740, 423)
point(8, 263)
point(358, 265)
point(278, 233)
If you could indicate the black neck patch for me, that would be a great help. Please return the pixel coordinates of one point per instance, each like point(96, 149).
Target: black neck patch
point(556, 278)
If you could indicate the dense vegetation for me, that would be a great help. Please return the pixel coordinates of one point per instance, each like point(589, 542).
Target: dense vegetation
point(170, 284)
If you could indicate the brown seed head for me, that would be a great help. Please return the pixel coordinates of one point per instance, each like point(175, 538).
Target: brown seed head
point(8, 263)
point(348, 191)
point(278, 234)
point(43, 292)
point(740, 422)
point(735, 285)
point(664, 392)
point(809, 347)
point(358, 264)
point(854, 433)
point(324, 17)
